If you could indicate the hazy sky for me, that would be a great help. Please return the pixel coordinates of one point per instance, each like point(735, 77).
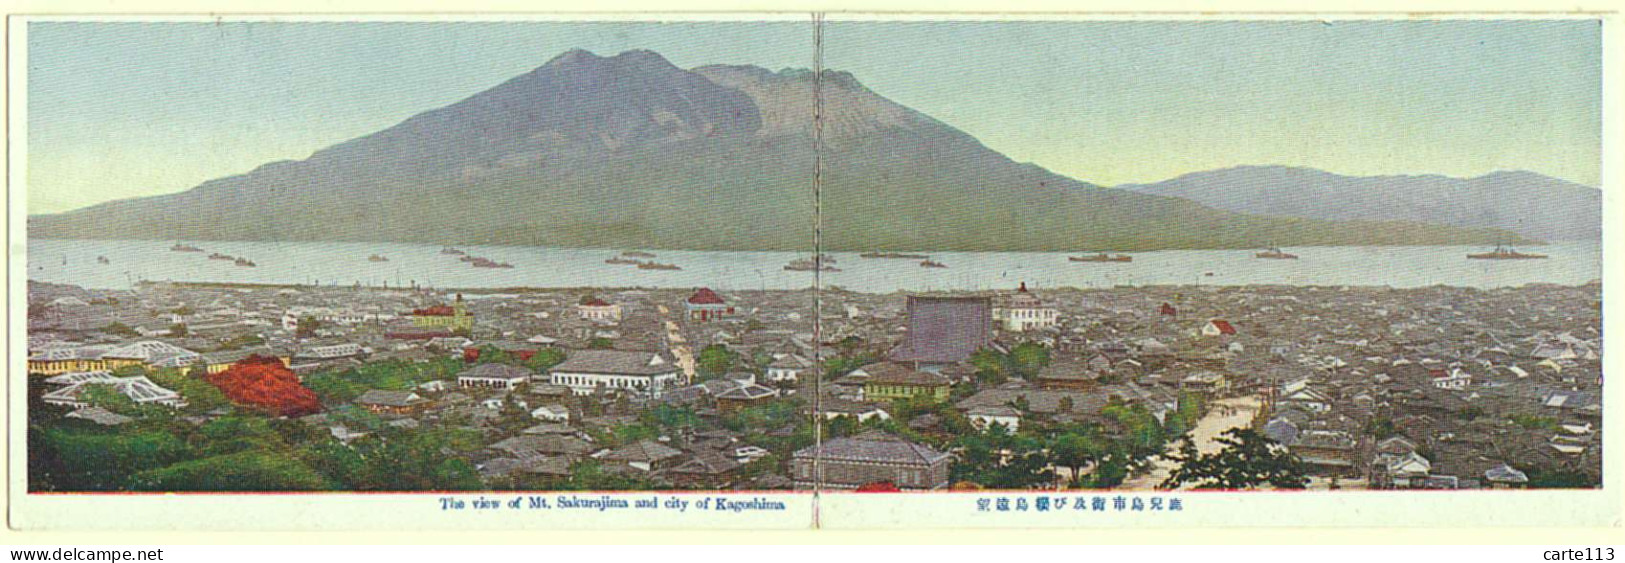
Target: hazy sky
point(118, 110)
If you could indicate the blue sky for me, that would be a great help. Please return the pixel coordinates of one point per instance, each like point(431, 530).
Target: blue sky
point(119, 110)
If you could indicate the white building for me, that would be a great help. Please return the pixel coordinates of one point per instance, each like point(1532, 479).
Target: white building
point(985, 417)
point(493, 376)
point(1456, 379)
point(595, 309)
point(1026, 312)
point(139, 389)
point(551, 413)
point(584, 371)
point(788, 368)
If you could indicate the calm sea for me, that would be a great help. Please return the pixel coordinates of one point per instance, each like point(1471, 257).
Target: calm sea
point(75, 262)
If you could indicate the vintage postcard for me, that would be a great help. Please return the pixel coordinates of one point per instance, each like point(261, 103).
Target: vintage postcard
point(807, 271)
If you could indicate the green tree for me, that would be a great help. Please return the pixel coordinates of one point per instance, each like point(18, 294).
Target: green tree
point(545, 358)
point(600, 343)
point(1561, 478)
point(1000, 460)
point(715, 360)
point(990, 366)
point(1027, 358)
point(493, 355)
point(1074, 451)
point(1248, 460)
point(108, 397)
point(177, 330)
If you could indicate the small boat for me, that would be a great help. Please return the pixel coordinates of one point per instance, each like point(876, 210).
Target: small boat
point(184, 248)
point(488, 263)
point(1207, 274)
point(1102, 257)
point(809, 265)
point(622, 260)
point(244, 262)
point(377, 258)
point(1504, 253)
point(657, 266)
point(450, 250)
point(894, 255)
point(827, 259)
point(219, 256)
point(102, 260)
point(932, 264)
point(636, 254)
point(1275, 253)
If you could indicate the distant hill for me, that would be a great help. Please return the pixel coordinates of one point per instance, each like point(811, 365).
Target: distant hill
point(1532, 205)
point(631, 151)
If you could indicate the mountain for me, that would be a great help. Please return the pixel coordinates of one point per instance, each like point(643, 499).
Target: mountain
point(631, 151)
point(1532, 205)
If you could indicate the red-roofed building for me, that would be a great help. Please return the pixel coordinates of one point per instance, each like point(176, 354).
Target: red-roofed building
point(1218, 327)
point(1168, 310)
point(453, 317)
point(706, 305)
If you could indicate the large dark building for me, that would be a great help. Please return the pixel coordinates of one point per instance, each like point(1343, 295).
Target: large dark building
point(944, 330)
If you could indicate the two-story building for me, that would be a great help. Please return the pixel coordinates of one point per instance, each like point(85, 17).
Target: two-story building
point(595, 309)
point(889, 380)
point(1025, 312)
point(706, 305)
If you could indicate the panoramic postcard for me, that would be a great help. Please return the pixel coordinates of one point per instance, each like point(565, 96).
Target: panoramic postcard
point(805, 272)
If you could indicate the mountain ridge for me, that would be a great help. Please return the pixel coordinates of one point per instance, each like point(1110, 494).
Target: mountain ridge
point(1521, 201)
point(632, 151)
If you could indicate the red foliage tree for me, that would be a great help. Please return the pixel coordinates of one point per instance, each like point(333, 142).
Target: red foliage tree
point(262, 382)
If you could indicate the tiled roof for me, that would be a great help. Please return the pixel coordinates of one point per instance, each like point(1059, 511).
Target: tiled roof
point(533, 445)
point(890, 373)
point(647, 451)
point(704, 296)
point(495, 371)
point(873, 446)
point(389, 398)
point(748, 392)
point(614, 362)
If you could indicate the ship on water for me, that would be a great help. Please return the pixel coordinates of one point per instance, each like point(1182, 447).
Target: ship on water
point(657, 266)
point(810, 265)
point(932, 264)
point(1102, 257)
point(450, 250)
point(184, 248)
point(219, 256)
point(894, 255)
point(489, 263)
point(1275, 253)
point(622, 260)
point(377, 258)
point(102, 260)
point(1504, 253)
point(636, 254)
point(244, 262)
